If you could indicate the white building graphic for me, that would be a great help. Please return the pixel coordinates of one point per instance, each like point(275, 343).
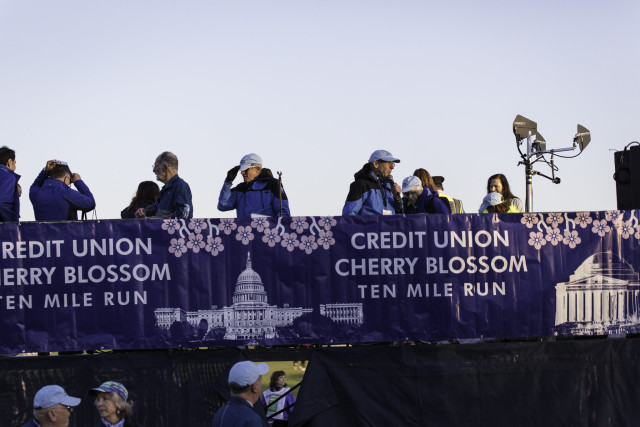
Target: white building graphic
point(250, 317)
point(601, 297)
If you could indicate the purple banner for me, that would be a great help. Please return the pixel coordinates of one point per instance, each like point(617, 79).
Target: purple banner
point(167, 283)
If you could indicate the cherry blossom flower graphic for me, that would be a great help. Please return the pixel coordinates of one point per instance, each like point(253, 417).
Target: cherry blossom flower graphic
point(197, 225)
point(271, 237)
point(290, 241)
point(325, 238)
point(626, 229)
point(177, 247)
point(613, 216)
point(584, 219)
point(327, 222)
point(308, 244)
point(214, 245)
point(637, 235)
point(195, 243)
point(245, 235)
point(554, 236)
point(571, 238)
point(228, 225)
point(299, 223)
point(529, 219)
point(170, 225)
point(537, 239)
point(260, 223)
point(554, 219)
point(600, 227)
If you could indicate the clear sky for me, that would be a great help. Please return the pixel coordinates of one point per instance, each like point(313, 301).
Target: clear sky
point(314, 87)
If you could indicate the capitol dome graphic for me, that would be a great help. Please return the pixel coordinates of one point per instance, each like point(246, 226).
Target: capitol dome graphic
point(601, 297)
point(250, 318)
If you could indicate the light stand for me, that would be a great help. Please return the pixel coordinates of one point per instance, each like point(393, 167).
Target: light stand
point(524, 128)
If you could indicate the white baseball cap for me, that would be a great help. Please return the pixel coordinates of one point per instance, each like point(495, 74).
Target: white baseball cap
point(250, 159)
point(409, 182)
point(51, 395)
point(247, 372)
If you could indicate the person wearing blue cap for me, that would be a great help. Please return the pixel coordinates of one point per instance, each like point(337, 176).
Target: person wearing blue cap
point(373, 191)
point(112, 405)
point(245, 384)
point(421, 199)
point(259, 195)
point(52, 407)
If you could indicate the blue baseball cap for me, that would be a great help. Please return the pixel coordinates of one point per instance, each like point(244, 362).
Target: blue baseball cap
point(51, 395)
point(109, 387)
point(383, 155)
point(409, 182)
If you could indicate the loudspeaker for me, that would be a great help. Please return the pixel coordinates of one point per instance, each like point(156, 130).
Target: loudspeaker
point(627, 177)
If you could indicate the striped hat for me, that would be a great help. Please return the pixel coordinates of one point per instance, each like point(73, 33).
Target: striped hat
point(108, 387)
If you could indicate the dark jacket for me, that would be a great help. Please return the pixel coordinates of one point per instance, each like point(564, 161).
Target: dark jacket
point(174, 201)
point(9, 200)
point(130, 212)
point(428, 202)
point(260, 196)
point(370, 196)
point(127, 423)
point(52, 200)
point(237, 413)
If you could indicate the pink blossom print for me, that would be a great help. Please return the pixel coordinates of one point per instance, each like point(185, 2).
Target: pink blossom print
point(325, 239)
point(177, 247)
point(260, 223)
point(197, 225)
point(170, 225)
point(290, 241)
point(227, 225)
point(529, 219)
point(214, 245)
point(554, 236)
point(308, 244)
point(271, 237)
point(195, 243)
point(600, 227)
point(584, 219)
point(536, 239)
point(299, 223)
point(555, 218)
point(626, 229)
point(245, 235)
point(571, 238)
point(327, 222)
point(613, 216)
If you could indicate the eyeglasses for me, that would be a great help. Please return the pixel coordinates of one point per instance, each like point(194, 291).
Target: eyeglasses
point(69, 408)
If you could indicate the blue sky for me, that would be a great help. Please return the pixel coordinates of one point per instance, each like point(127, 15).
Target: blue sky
point(315, 87)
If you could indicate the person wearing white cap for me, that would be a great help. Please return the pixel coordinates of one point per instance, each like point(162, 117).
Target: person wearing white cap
point(373, 191)
point(421, 199)
point(259, 195)
point(52, 407)
point(245, 384)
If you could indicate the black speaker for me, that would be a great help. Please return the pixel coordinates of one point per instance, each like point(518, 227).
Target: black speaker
point(627, 177)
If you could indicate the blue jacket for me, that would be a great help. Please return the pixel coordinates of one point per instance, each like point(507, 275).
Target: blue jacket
point(370, 196)
point(52, 200)
point(9, 200)
point(237, 413)
point(260, 196)
point(427, 202)
point(174, 201)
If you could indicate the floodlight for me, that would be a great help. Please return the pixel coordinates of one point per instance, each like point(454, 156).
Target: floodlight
point(522, 126)
point(583, 137)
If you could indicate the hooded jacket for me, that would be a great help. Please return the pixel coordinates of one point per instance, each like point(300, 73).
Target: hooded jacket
point(260, 196)
point(368, 195)
point(52, 200)
point(428, 202)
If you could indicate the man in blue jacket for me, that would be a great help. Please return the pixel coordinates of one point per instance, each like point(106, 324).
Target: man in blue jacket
point(373, 192)
point(10, 190)
point(259, 195)
point(174, 200)
point(245, 384)
point(52, 197)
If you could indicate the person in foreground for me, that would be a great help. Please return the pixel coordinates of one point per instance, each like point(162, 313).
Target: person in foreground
point(245, 384)
point(277, 389)
point(174, 200)
point(52, 407)
point(418, 199)
point(111, 403)
point(258, 195)
point(498, 184)
point(373, 191)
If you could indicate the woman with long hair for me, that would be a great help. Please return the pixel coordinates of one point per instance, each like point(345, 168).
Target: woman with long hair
point(146, 195)
point(277, 389)
point(498, 184)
